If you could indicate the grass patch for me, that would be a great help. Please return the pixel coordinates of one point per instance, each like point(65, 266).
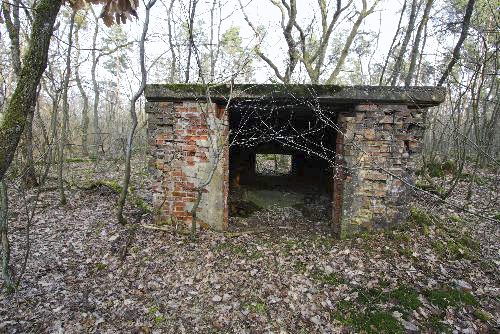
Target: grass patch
point(299, 267)
point(435, 323)
point(481, 315)
point(407, 297)
point(369, 321)
point(332, 279)
point(76, 160)
point(439, 169)
point(450, 297)
point(477, 179)
point(100, 266)
point(469, 243)
point(425, 186)
point(455, 219)
point(257, 307)
point(230, 248)
point(420, 218)
point(438, 246)
point(371, 296)
point(143, 205)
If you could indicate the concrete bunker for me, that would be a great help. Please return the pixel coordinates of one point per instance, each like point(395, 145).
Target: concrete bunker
point(356, 145)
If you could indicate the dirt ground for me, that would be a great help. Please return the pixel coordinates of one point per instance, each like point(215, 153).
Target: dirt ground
point(278, 271)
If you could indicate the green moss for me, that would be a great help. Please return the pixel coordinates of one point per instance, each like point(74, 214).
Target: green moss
point(481, 315)
point(257, 307)
point(469, 242)
point(435, 323)
point(450, 297)
point(143, 205)
point(407, 297)
point(332, 279)
point(420, 218)
point(299, 267)
point(497, 216)
point(101, 266)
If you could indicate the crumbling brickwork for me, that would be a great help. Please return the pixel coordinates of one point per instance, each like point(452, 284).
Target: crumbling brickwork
point(187, 142)
point(377, 158)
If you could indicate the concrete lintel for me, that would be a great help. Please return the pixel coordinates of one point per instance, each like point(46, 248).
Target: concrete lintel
point(411, 96)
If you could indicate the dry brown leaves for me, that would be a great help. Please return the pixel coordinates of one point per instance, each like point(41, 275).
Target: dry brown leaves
point(281, 280)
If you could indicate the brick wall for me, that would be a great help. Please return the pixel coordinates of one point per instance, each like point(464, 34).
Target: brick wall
point(187, 148)
point(376, 159)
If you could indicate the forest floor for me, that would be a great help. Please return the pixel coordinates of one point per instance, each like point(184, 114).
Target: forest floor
point(438, 272)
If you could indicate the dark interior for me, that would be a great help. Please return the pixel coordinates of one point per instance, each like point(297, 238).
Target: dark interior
point(299, 129)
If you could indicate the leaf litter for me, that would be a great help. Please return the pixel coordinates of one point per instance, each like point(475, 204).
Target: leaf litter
point(86, 273)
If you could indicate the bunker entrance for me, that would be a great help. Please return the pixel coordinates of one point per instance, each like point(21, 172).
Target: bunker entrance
point(281, 158)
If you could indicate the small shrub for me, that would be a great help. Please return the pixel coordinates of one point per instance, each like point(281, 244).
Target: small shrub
point(420, 217)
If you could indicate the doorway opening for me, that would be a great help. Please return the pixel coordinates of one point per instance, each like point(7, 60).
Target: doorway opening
point(281, 158)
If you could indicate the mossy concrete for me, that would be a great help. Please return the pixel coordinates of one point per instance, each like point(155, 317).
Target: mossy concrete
point(417, 96)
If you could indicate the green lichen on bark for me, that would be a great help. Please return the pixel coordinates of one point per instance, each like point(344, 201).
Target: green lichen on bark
point(35, 61)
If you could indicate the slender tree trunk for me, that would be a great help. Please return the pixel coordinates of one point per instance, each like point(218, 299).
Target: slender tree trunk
point(133, 115)
point(29, 173)
point(4, 207)
point(62, 141)
point(173, 61)
point(399, 59)
point(192, 12)
point(416, 43)
point(85, 109)
point(35, 62)
point(97, 132)
point(456, 51)
point(392, 44)
point(347, 45)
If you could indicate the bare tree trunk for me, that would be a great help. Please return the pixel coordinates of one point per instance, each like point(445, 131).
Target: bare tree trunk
point(170, 42)
point(35, 62)
point(399, 59)
point(85, 109)
point(65, 109)
point(192, 12)
point(416, 43)
point(392, 44)
point(29, 173)
point(456, 51)
point(347, 45)
point(97, 134)
point(133, 115)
